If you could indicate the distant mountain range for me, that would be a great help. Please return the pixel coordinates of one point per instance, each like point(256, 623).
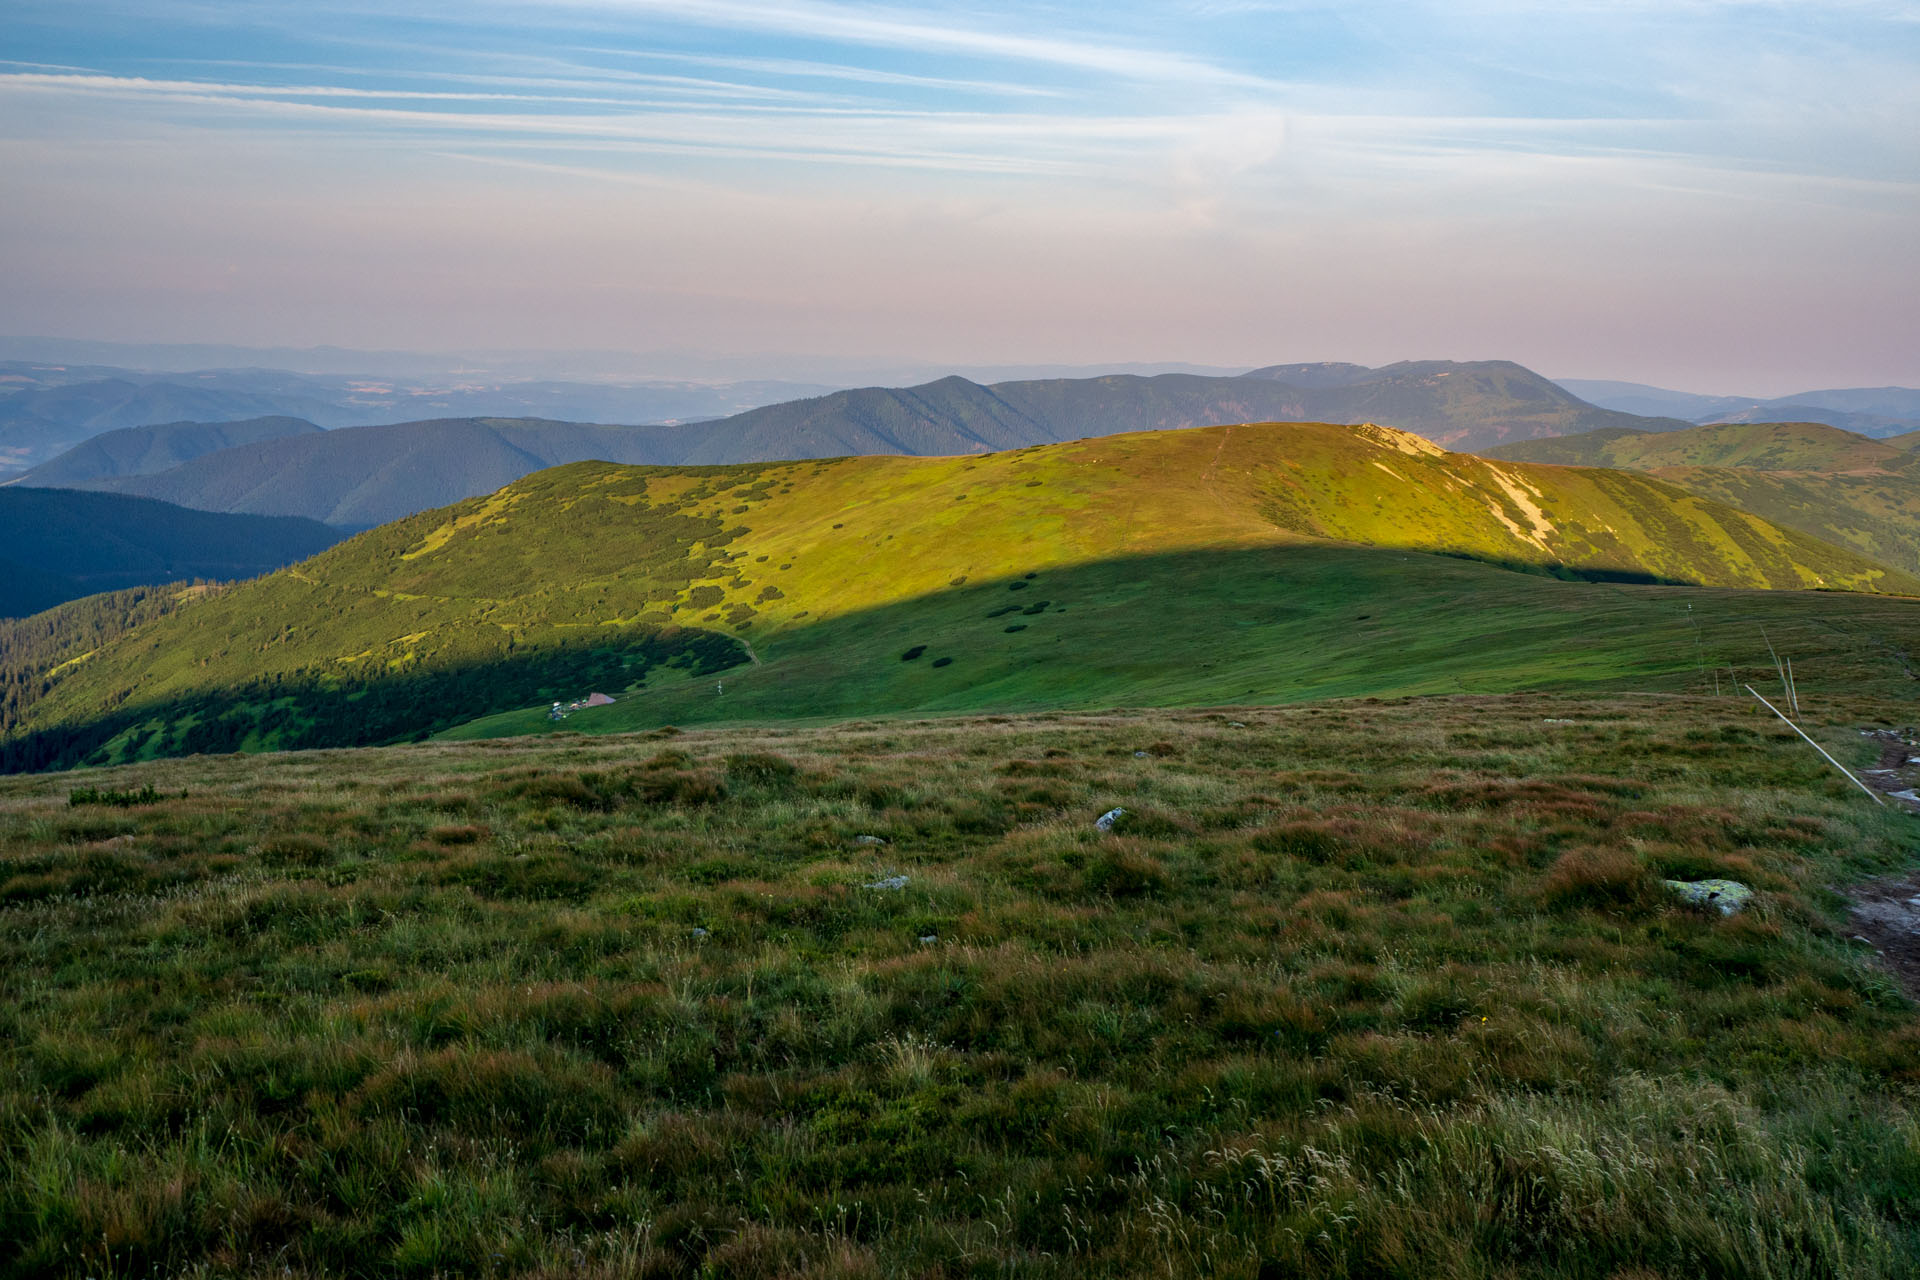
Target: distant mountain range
point(145, 451)
point(58, 544)
point(1868, 411)
point(46, 409)
point(41, 422)
point(359, 477)
point(1457, 405)
point(624, 575)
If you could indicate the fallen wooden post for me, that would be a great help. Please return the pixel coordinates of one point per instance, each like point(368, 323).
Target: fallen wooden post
point(1817, 747)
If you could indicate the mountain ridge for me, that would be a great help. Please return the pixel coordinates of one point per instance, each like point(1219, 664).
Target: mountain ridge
point(1870, 411)
point(149, 450)
point(602, 570)
point(358, 477)
point(1836, 485)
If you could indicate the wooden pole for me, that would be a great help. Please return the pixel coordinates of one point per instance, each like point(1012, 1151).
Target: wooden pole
point(1822, 750)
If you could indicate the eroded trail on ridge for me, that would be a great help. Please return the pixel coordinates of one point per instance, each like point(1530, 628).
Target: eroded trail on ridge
point(1886, 913)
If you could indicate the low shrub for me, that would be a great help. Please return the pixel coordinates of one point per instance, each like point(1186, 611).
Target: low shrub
point(1605, 879)
point(118, 799)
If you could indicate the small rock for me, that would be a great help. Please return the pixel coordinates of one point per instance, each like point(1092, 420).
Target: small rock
point(1139, 755)
point(929, 937)
point(871, 840)
point(1913, 902)
point(1106, 820)
point(1235, 724)
point(1863, 941)
point(890, 882)
point(699, 934)
point(1910, 795)
point(1551, 720)
point(1729, 896)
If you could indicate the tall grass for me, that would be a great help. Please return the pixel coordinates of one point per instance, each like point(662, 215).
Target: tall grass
point(1356, 990)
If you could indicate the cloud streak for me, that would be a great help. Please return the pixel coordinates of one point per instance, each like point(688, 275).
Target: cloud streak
point(857, 157)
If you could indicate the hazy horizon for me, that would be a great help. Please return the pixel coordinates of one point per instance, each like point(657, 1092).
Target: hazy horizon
point(616, 367)
point(1713, 196)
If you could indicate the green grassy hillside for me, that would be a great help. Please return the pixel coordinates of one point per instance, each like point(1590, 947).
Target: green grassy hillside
point(1873, 512)
point(1189, 566)
point(33, 649)
point(1761, 446)
point(1838, 486)
point(1266, 625)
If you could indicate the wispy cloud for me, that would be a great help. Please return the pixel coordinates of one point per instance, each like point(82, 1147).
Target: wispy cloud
point(912, 30)
point(850, 154)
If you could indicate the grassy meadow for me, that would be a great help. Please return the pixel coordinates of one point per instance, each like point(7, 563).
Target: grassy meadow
point(1290, 624)
point(1352, 989)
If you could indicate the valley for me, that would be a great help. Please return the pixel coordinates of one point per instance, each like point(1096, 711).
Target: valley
point(58, 545)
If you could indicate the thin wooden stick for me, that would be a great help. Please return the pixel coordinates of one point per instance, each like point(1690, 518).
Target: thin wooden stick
point(1817, 747)
point(1786, 690)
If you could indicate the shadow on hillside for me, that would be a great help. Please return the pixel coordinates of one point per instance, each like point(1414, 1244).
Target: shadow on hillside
point(308, 711)
point(1209, 627)
point(1570, 573)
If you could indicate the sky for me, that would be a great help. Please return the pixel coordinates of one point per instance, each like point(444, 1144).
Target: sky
point(1713, 195)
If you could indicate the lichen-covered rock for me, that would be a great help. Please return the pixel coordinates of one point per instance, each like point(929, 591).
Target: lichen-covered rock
point(1726, 896)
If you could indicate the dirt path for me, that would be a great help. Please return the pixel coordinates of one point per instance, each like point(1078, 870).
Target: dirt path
point(1886, 913)
point(1897, 775)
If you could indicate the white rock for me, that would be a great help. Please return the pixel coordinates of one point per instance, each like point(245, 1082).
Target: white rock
point(871, 840)
point(890, 882)
point(699, 933)
point(1728, 896)
point(1106, 820)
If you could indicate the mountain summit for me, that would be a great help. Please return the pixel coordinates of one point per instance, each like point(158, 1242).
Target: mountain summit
point(363, 476)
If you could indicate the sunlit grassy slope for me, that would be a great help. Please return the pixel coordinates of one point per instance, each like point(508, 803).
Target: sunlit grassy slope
point(825, 557)
point(1837, 486)
point(1763, 446)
